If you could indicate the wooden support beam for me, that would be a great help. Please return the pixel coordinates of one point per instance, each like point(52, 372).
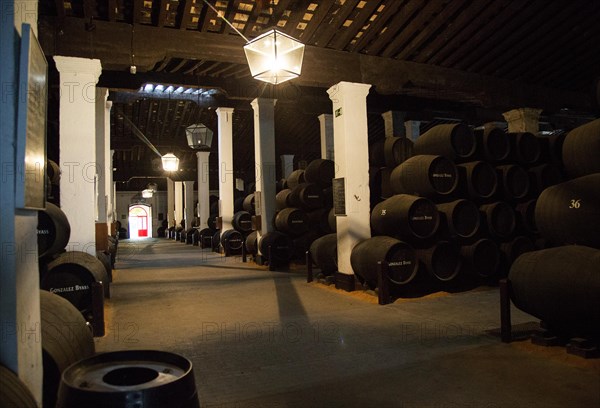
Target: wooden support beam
point(112, 10)
point(377, 25)
point(408, 12)
point(138, 5)
point(326, 33)
point(183, 14)
point(343, 39)
point(318, 17)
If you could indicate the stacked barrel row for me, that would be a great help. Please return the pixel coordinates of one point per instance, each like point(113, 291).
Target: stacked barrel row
point(456, 202)
point(560, 285)
point(303, 204)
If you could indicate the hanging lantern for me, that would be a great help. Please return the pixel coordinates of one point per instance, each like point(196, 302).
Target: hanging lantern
point(274, 57)
point(170, 162)
point(153, 187)
point(199, 137)
point(147, 193)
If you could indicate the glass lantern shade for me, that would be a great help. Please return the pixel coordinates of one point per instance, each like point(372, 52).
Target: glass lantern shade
point(170, 162)
point(199, 137)
point(274, 57)
point(147, 193)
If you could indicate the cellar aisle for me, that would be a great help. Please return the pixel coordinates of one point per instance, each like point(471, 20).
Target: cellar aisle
point(269, 339)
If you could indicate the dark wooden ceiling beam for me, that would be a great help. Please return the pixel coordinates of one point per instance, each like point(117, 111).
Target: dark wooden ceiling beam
point(257, 7)
point(342, 40)
point(112, 10)
point(177, 67)
point(183, 13)
point(138, 5)
point(161, 18)
point(323, 9)
point(111, 45)
point(327, 32)
point(375, 27)
point(60, 10)
point(408, 12)
point(194, 67)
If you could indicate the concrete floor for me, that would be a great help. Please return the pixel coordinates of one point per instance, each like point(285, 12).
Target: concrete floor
point(269, 339)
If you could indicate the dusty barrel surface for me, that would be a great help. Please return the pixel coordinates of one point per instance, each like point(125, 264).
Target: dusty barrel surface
point(479, 178)
point(53, 230)
point(282, 199)
point(307, 196)
point(481, 258)
point(569, 213)
point(525, 213)
point(320, 172)
point(293, 221)
point(248, 204)
point(560, 286)
point(425, 175)
point(454, 141)
point(232, 242)
point(251, 243)
point(493, 144)
point(461, 217)
point(400, 256)
point(500, 219)
point(144, 378)
point(323, 252)
point(276, 245)
point(441, 260)
point(407, 216)
point(581, 149)
point(525, 148)
point(296, 177)
point(13, 392)
point(396, 150)
point(242, 221)
point(514, 180)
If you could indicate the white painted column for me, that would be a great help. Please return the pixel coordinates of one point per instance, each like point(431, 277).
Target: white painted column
point(523, 120)
point(394, 123)
point(102, 133)
point(178, 202)
point(78, 78)
point(264, 157)
point(226, 176)
point(189, 203)
point(203, 189)
point(287, 164)
point(326, 127)
point(171, 203)
point(350, 133)
point(413, 129)
point(108, 166)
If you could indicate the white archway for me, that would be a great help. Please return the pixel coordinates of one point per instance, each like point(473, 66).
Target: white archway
point(140, 221)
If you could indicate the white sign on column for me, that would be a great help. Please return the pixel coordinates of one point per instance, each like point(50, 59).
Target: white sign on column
point(77, 118)
point(226, 176)
point(203, 189)
point(350, 132)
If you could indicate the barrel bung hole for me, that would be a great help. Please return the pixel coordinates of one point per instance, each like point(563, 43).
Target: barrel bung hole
point(128, 376)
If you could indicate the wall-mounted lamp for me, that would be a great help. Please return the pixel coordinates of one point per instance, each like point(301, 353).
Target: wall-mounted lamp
point(170, 162)
point(147, 193)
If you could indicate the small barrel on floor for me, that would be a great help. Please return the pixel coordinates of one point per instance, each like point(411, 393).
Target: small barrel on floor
point(53, 230)
point(323, 252)
point(442, 260)
point(293, 221)
point(426, 176)
point(499, 218)
point(277, 245)
point(481, 258)
point(407, 216)
point(581, 149)
point(232, 242)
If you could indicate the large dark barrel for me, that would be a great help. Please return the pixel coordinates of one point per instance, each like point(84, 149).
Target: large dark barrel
point(516, 247)
point(481, 258)
point(406, 216)
point(514, 181)
point(104, 257)
point(320, 172)
point(251, 243)
point(131, 378)
point(569, 213)
point(454, 141)
point(238, 204)
point(248, 204)
point(492, 144)
point(319, 220)
point(525, 213)
point(242, 221)
point(560, 286)
point(425, 175)
point(442, 260)
point(71, 275)
point(524, 148)
point(205, 237)
point(581, 150)
point(401, 259)
point(53, 172)
point(191, 235)
point(323, 252)
point(331, 220)
point(65, 338)
point(302, 243)
point(232, 242)
point(296, 177)
point(396, 150)
point(551, 147)
point(499, 219)
point(212, 222)
point(306, 196)
point(480, 179)
point(280, 246)
point(376, 155)
point(53, 230)
point(282, 199)
point(216, 241)
point(544, 176)
point(13, 392)
point(293, 221)
point(461, 217)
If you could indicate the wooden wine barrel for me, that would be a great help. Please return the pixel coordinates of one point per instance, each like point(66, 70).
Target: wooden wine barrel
point(480, 179)
point(320, 172)
point(514, 181)
point(293, 221)
point(191, 235)
point(53, 172)
point(453, 141)
point(306, 196)
point(104, 257)
point(71, 275)
point(375, 186)
point(251, 243)
point(524, 148)
point(211, 222)
point(130, 378)
point(560, 286)
point(525, 213)
point(401, 259)
point(296, 177)
point(238, 204)
point(216, 241)
point(426, 176)
point(232, 242)
point(248, 204)
point(65, 339)
point(327, 197)
point(318, 220)
point(280, 247)
point(331, 221)
point(376, 154)
point(442, 260)
point(516, 247)
point(406, 216)
point(462, 218)
point(323, 252)
point(205, 237)
point(569, 213)
point(551, 147)
point(302, 243)
point(396, 150)
point(281, 199)
point(481, 258)
point(499, 218)
point(13, 392)
point(53, 230)
point(493, 144)
point(242, 221)
point(581, 149)
point(544, 176)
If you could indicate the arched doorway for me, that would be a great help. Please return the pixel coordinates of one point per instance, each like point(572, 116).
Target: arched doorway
point(140, 221)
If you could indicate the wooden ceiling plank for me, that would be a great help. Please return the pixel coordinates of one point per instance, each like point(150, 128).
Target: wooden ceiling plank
point(326, 33)
point(298, 9)
point(232, 10)
point(390, 9)
point(197, 65)
point(184, 110)
point(278, 11)
point(240, 69)
point(208, 68)
point(162, 13)
point(60, 9)
point(178, 66)
point(257, 7)
point(183, 14)
point(517, 29)
point(406, 13)
point(477, 41)
point(447, 14)
point(138, 5)
point(209, 15)
point(342, 40)
point(322, 11)
point(416, 24)
point(163, 64)
point(228, 67)
point(112, 10)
